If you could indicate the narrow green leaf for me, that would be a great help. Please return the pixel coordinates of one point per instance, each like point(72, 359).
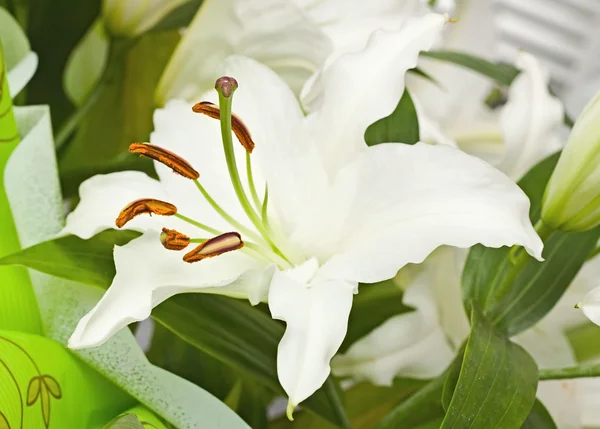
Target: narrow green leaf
point(85, 261)
point(402, 126)
point(497, 383)
point(539, 418)
point(516, 301)
point(375, 304)
point(502, 73)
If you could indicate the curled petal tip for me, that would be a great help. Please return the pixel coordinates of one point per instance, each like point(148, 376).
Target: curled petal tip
point(289, 411)
point(226, 86)
point(578, 305)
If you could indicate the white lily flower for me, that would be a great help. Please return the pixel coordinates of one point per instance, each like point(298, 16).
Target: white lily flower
point(129, 18)
point(292, 37)
point(338, 212)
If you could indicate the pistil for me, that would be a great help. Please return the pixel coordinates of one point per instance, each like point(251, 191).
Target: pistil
point(226, 86)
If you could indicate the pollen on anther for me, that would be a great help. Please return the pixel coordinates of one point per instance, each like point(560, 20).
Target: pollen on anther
point(215, 246)
point(237, 125)
point(166, 157)
point(174, 240)
point(146, 205)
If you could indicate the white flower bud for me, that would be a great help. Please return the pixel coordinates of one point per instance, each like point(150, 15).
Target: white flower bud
point(129, 18)
point(572, 198)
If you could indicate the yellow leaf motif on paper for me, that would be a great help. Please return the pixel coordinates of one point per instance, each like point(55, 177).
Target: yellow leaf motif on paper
point(33, 391)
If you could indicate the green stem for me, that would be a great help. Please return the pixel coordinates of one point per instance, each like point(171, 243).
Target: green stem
point(579, 371)
point(18, 305)
point(226, 134)
point(251, 183)
point(198, 224)
point(241, 228)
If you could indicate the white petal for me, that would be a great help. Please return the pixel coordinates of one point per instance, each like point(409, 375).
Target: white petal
point(353, 100)
point(274, 32)
point(316, 315)
point(409, 345)
point(21, 74)
point(349, 28)
point(409, 200)
point(531, 120)
point(590, 305)
point(104, 196)
point(148, 274)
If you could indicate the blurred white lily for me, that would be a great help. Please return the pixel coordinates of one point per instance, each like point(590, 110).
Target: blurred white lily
point(292, 37)
point(514, 137)
point(338, 212)
point(129, 18)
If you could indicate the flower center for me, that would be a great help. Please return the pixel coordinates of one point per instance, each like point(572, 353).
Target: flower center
point(266, 243)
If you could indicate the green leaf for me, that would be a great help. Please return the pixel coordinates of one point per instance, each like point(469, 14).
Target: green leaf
point(402, 126)
point(497, 382)
point(419, 409)
point(539, 418)
point(86, 64)
point(365, 405)
point(128, 421)
point(72, 258)
point(515, 300)
point(375, 304)
point(502, 73)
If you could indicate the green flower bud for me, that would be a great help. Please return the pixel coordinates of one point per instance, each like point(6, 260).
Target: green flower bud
point(129, 18)
point(572, 197)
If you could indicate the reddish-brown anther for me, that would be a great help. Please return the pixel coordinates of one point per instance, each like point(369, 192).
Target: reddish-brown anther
point(146, 205)
point(215, 246)
point(237, 125)
point(166, 157)
point(174, 240)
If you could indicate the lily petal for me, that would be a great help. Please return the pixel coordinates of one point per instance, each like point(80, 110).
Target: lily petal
point(590, 305)
point(409, 345)
point(148, 274)
point(274, 32)
point(316, 315)
point(531, 120)
point(349, 28)
point(458, 200)
point(104, 196)
point(350, 102)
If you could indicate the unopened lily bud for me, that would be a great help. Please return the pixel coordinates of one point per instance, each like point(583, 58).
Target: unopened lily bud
point(572, 197)
point(129, 18)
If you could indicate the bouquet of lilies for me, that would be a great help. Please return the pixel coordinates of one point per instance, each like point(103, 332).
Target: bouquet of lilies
point(292, 214)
